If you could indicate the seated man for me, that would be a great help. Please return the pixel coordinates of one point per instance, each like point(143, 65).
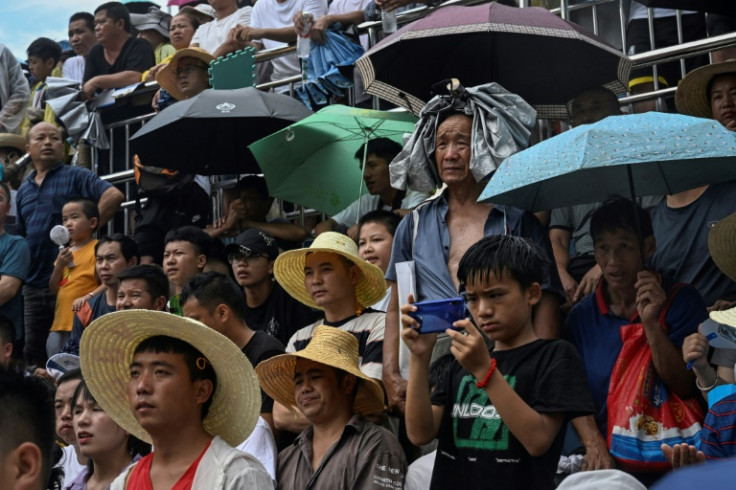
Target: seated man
point(250, 210)
point(142, 287)
point(217, 37)
point(118, 60)
point(27, 428)
point(268, 307)
point(380, 195)
point(190, 392)
point(629, 294)
point(81, 39)
point(340, 449)
point(185, 254)
point(331, 276)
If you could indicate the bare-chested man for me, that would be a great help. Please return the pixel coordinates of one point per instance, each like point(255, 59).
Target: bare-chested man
point(447, 226)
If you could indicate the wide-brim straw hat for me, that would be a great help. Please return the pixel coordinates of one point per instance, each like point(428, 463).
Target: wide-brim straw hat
point(107, 349)
point(329, 346)
point(289, 270)
point(722, 245)
point(166, 77)
point(724, 317)
point(691, 97)
point(10, 140)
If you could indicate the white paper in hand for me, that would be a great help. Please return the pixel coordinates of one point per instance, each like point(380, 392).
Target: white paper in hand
point(406, 284)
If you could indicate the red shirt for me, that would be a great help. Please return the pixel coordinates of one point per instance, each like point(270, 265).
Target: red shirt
point(140, 478)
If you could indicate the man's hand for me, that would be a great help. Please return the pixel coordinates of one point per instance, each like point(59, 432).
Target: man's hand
point(695, 349)
point(569, 284)
point(319, 27)
point(681, 455)
point(395, 387)
point(469, 348)
point(151, 75)
point(721, 304)
point(389, 5)
point(650, 297)
point(420, 345)
point(588, 283)
point(90, 88)
point(154, 101)
point(78, 303)
point(65, 257)
point(597, 457)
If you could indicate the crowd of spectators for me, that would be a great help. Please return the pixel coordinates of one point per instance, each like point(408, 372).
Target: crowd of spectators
point(250, 351)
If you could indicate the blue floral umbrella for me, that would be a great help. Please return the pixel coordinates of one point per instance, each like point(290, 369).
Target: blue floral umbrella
point(630, 156)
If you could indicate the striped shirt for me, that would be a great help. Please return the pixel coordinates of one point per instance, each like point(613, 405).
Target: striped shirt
point(367, 328)
point(718, 435)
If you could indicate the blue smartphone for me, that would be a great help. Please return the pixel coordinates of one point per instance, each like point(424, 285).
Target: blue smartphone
point(438, 315)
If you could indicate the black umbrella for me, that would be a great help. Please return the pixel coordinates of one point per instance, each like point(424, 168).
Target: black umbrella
point(209, 133)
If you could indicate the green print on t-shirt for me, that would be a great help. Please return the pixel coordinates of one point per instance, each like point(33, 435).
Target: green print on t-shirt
point(476, 423)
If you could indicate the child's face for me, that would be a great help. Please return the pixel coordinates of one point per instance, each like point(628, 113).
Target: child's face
point(39, 68)
point(501, 308)
point(79, 225)
point(374, 245)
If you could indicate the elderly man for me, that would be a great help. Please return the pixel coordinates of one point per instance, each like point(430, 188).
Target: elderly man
point(340, 449)
point(449, 224)
point(39, 200)
point(119, 59)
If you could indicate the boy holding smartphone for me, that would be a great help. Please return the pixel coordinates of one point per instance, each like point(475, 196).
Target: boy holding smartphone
point(499, 415)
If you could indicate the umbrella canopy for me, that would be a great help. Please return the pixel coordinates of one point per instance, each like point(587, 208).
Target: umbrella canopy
point(209, 133)
point(636, 155)
point(529, 51)
point(312, 162)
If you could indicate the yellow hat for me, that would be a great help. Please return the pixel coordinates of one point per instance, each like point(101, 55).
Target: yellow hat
point(166, 77)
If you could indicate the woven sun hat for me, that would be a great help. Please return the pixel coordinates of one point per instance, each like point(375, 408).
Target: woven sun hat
point(724, 317)
point(10, 140)
point(722, 245)
point(107, 349)
point(329, 346)
point(692, 97)
point(289, 270)
point(166, 77)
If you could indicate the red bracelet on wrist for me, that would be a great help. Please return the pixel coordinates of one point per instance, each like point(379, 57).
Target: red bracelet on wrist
point(482, 384)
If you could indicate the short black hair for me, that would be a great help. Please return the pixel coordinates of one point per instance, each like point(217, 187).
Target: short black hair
point(27, 415)
point(116, 11)
point(157, 284)
point(255, 182)
point(128, 247)
point(200, 240)
point(45, 49)
point(7, 330)
point(387, 218)
point(70, 375)
point(614, 105)
point(192, 358)
point(211, 289)
point(190, 17)
point(621, 214)
point(381, 147)
point(523, 260)
point(88, 19)
point(89, 208)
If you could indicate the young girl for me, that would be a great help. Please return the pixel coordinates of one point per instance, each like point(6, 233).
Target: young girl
point(107, 446)
point(73, 280)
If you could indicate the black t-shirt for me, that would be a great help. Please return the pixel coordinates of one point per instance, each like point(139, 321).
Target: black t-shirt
point(261, 347)
point(476, 449)
point(280, 315)
point(136, 55)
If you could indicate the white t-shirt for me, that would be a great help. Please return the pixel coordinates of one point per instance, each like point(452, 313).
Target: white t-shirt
point(368, 202)
point(271, 14)
point(73, 68)
point(70, 464)
point(262, 446)
point(211, 35)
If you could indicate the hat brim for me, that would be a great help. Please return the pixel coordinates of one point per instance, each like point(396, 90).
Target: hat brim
point(194, 11)
point(691, 98)
point(276, 376)
point(9, 140)
point(107, 349)
point(166, 77)
point(289, 272)
point(722, 244)
point(724, 317)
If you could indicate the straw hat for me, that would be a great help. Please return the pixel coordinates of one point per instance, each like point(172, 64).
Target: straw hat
point(722, 245)
point(106, 352)
point(10, 140)
point(166, 77)
point(329, 346)
point(724, 317)
point(691, 97)
point(289, 270)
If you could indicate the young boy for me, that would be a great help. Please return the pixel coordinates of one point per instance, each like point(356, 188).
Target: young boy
point(185, 254)
point(498, 415)
point(73, 280)
point(375, 238)
point(43, 56)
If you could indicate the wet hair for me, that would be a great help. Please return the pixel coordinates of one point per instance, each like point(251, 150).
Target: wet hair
point(157, 284)
point(27, 415)
point(7, 330)
point(255, 182)
point(89, 208)
point(386, 218)
point(88, 19)
point(200, 240)
point(45, 49)
point(381, 147)
point(621, 214)
point(128, 247)
point(116, 11)
point(523, 260)
point(169, 345)
point(211, 289)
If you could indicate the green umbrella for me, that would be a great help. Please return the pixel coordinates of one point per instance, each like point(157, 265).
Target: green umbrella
point(312, 162)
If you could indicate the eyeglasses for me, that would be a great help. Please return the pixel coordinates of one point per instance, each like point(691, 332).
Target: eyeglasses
point(186, 70)
point(244, 254)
